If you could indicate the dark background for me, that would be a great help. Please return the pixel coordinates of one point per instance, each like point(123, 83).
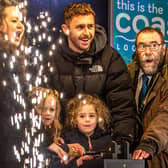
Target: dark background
point(56, 8)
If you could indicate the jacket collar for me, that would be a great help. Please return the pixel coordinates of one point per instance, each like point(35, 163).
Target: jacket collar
point(162, 75)
point(134, 67)
point(97, 133)
point(97, 46)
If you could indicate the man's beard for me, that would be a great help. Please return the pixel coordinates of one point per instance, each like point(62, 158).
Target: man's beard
point(153, 68)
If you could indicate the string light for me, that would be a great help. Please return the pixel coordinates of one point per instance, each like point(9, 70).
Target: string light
point(26, 119)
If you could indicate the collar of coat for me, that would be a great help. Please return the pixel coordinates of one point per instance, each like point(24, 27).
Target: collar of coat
point(134, 68)
point(162, 75)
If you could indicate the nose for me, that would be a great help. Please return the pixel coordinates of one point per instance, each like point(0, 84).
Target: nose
point(147, 50)
point(46, 111)
point(20, 26)
point(87, 118)
point(86, 31)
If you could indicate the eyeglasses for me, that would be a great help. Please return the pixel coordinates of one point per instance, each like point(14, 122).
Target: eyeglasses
point(151, 46)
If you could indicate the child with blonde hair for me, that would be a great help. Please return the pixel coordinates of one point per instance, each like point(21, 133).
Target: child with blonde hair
point(47, 105)
point(86, 123)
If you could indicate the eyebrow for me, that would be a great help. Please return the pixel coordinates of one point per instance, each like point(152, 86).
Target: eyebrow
point(88, 113)
point(149, 42)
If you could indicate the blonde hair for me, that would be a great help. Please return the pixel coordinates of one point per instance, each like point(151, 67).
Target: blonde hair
point(4, 44)
point(77, 102)
point(42, 94)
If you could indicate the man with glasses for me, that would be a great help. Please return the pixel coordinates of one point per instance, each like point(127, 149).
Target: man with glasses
point(149, 73)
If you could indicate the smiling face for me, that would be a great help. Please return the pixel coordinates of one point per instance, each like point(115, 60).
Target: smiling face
point(12, 26)
point(80, 32)
point(87, 119)
point(150, 59)
point(49, 110)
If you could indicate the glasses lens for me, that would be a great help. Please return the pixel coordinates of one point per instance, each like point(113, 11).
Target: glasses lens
point(152, 46)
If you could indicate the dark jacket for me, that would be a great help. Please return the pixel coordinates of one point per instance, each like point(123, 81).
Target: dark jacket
point(100, 71)
point(100, 140)
point(154, 116)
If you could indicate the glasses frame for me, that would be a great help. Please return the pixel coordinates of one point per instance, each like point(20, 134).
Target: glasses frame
point(152, 46)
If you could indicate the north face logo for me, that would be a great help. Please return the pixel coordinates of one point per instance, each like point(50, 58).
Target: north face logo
point(96, 68)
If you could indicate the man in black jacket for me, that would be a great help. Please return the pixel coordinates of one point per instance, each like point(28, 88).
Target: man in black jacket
point(84, 63)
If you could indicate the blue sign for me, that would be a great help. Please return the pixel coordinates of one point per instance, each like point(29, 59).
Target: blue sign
point(128, 17)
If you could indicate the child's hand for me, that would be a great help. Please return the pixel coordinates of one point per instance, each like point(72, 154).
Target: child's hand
point(59, 140)
point(76, 149)
point(79, 161)
point(60, 152)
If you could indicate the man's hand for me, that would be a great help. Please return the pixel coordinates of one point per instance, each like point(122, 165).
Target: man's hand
point(140, 154)
point(79, 161)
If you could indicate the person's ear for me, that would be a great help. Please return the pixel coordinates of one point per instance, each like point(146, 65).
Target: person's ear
point(3, 27)
point(65, 29)
point(164, 49)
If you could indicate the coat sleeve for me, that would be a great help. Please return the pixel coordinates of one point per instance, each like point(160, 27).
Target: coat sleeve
point(120, 98)
point(155, 137)
point(55, 161)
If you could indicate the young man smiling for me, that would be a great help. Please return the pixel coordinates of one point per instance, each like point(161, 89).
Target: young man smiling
point(84, 63)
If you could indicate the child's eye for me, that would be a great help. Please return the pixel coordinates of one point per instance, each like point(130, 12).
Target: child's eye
point(92, 115)
point(81, 116)
point(52, 109)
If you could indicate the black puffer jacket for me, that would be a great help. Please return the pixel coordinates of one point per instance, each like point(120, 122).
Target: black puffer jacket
point(99, 71)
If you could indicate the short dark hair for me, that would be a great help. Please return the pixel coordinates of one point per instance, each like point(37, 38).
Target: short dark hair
point(75, 9)
point(150, 30)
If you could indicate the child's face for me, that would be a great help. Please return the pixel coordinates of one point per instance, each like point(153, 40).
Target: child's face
point(87, 119)
point(49, 110)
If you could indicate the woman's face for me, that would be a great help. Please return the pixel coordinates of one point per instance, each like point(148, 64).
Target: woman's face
point(12, 26)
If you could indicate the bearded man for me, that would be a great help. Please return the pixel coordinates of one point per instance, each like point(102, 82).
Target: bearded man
point(149, 73)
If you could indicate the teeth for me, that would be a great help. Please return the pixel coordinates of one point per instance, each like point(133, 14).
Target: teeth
point(17, 34)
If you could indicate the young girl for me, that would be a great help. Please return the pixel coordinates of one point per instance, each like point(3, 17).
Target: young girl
point(47, 105)
point(86, 122)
